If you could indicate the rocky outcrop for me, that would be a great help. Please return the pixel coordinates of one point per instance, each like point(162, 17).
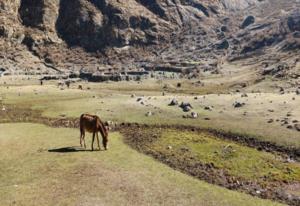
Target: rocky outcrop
point(51, 35)
point(234, 5)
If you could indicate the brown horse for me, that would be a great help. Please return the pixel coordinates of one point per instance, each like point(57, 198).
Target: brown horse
point(93, 124)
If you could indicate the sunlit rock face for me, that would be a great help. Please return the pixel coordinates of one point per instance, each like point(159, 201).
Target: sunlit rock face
point(56, 32)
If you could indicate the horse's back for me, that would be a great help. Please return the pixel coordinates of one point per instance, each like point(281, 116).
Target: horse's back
point(88, 122)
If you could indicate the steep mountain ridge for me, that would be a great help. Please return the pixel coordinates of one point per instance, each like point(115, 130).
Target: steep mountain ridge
point(62, 35)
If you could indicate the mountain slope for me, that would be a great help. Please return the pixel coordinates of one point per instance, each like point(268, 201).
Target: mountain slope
point(52, 34)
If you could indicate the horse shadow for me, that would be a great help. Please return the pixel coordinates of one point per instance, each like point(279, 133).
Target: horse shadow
point(69, 149)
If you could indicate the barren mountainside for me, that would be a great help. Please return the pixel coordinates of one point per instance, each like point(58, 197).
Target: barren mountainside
point(62, 35)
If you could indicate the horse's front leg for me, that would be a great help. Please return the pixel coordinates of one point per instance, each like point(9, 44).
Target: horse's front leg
point(104, 142)
point(98, 141)
point(93, 141)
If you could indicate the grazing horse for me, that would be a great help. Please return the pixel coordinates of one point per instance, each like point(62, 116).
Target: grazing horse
point(93, 124)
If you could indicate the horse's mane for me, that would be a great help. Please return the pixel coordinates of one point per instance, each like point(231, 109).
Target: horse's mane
point(103, 128)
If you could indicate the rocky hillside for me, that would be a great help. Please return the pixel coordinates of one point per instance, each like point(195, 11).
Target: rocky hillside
point(46, 36)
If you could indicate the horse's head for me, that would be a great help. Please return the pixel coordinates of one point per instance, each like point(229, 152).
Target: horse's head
point(106, 129)
point(102, 128)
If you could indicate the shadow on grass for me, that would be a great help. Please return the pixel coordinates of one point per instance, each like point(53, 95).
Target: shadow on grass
point(69, 149)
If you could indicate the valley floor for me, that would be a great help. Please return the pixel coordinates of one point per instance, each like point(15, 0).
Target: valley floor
point(40, 162)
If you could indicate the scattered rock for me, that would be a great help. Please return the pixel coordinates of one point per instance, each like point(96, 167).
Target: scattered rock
point(186, 108)
point(184, 104)
point(297, 127)
point(148, 114)
point(277, 70)
point(289, 127)
point(224, 28)
point(248, 21)
point(173, 102)
point(284, 122)
point(224, 44)
point(289, 160)
point(194, 115)
point(208, 108)
point(238, 104)
point(184, 149)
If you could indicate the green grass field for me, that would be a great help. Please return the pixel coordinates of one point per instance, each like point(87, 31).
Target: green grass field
point(238, 161)
point(31, 175)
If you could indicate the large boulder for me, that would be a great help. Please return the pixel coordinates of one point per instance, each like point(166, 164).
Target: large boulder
point(224, 44)
point(248, 21)
point(186, 106)
point(293, 22)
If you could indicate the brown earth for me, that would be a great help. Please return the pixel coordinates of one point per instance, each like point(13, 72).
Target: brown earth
point(136, 137)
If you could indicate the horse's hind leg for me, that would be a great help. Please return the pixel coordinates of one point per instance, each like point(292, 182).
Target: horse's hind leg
point(93, 141)
point(82, 138)
point(98, 140)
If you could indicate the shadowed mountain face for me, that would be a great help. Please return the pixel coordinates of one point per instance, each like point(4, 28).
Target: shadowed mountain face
point(57, 32)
